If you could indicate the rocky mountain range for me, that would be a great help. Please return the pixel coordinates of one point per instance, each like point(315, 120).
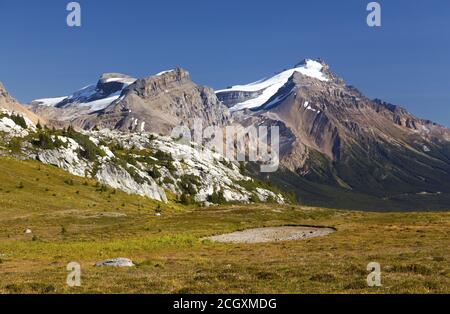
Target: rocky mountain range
point(337, 147)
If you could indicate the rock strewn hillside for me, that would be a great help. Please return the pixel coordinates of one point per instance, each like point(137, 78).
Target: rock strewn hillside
point(143, 164)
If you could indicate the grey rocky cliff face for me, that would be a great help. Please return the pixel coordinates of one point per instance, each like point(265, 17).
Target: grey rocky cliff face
point(119, 178)
point(232, 98)
point(3, 92)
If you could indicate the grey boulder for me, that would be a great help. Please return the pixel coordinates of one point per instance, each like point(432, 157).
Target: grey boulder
point(116, 262)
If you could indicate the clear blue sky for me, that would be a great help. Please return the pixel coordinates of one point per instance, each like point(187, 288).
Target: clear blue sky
point(406, 61)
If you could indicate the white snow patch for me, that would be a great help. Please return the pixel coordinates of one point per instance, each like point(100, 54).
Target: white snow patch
point(49, 102)
point(164, 72)
point(124, 80)
point(100, 104)
point(85, 92)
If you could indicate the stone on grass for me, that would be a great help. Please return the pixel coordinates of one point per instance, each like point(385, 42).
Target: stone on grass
point(116, 262)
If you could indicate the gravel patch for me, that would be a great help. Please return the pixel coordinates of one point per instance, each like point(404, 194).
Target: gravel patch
point(272, 234)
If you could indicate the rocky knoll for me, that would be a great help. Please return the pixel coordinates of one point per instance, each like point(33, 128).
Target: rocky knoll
point(10, 104)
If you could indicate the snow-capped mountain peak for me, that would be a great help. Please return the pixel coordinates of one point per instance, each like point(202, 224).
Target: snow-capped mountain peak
point(92, 97)
point(261, 91)
point(312, 68)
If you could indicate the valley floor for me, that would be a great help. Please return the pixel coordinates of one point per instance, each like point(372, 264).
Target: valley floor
point(75, 220)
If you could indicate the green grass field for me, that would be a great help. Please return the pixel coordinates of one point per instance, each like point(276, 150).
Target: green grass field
point(74, 219)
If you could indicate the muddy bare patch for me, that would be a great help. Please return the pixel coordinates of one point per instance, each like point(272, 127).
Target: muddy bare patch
point(272, 234)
